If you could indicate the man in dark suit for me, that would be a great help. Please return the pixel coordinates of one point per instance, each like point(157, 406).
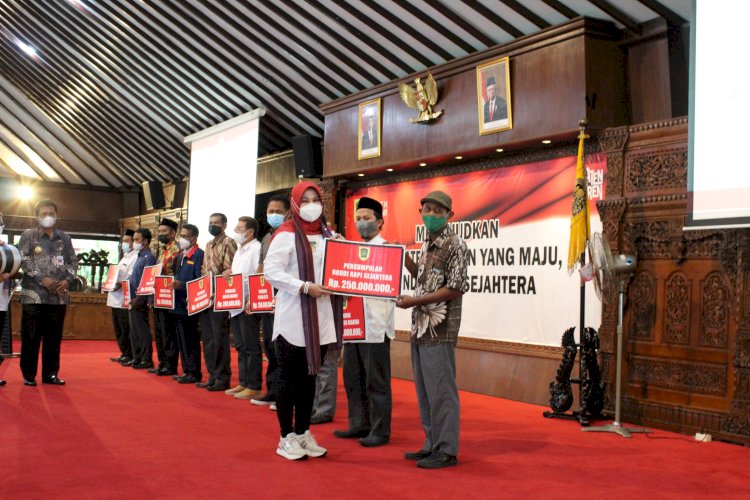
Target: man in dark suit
point(370, 133)
point(494, 107)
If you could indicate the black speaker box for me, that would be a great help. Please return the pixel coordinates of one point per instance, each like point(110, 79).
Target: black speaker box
point(153, 193)
point(308, 156)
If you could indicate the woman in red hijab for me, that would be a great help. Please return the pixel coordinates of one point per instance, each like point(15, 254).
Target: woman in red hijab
point(305, 324)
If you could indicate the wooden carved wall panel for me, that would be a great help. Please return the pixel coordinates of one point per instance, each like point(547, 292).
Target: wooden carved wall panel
point(643, 300)
point(686, 376)
point(613, 142)
point(677, 310)
point(714, 312)
point(647, 239)
point(664, 169)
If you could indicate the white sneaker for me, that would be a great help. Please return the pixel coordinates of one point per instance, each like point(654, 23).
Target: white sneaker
point(307, 441)
point(272, 407)
point(290, 448)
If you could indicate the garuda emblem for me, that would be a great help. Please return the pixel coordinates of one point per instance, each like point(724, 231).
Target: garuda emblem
point(422, 98)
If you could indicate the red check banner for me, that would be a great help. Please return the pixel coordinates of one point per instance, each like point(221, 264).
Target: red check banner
point(126, 294)
point(261, 294)
point(146, 286)
point(164, 292)
point(354, 319)
point(199, 294)
point(362, 269)
point(230, 294)
point(111, 281)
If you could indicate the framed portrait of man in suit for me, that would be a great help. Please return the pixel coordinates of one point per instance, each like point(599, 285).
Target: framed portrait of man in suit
point(493, 96)
point(369, 129)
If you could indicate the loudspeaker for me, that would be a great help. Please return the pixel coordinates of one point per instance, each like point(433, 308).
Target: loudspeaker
point(153, 193)
point(308, 156)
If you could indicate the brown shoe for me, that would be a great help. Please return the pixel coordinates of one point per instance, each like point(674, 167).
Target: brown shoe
point(235, 390)
point(248, 394)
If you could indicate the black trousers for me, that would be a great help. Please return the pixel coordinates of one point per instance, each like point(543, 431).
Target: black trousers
point(41, 323)
point(367, 381)
point(165, 336)
point(216, 351)
point(296, 388)
point(246, 334)
point(121, 323)
point(272, 370)
point(140, 331)
point(189, 342)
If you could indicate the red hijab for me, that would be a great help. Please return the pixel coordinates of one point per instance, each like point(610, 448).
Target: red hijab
point(314, 227)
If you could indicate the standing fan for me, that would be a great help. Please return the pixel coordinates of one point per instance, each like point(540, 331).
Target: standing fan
point(10, 261)
point(606, 269)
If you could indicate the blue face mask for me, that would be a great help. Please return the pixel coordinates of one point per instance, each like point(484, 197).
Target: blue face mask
point(275, 220)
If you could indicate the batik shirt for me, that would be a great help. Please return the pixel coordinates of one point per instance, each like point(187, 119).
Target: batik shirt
point(219, 254)
point(167, 259)
point(443, 263)
point(46, 257)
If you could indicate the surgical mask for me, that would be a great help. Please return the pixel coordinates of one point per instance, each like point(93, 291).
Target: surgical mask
point(214, 230)
point(137, 247)
point(184, 244)
point(434, 224)
point(367, 229)
point(163, 239)
point(311, 212)
point(275, 220)
point(47, 222)
point(239, 238)
point(125, 247)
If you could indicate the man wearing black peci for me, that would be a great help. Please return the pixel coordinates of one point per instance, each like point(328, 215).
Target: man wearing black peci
point(165, 333)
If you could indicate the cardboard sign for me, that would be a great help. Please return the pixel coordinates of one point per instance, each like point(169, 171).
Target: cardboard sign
point(146, 286)
point(261, 294)
point(111, 281)
point(230, 293)
point(164, 292)
point(126, 294)
point(354, 319)
point(363, 269)
point(199, 294)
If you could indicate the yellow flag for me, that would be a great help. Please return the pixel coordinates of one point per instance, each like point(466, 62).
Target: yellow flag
point(580, 225)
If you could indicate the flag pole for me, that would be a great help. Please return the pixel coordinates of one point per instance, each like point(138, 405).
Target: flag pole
point(582, 419)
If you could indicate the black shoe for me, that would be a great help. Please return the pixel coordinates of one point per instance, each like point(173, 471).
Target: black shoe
point(52, 379)
point(217, 387)
point(188, 379)
point(204, 385)
point(30, 382)
point(373, 441)
point(164, 372)
point(126, 361)
point(437, 460)
point(154, 370)
point(320, 419)
point(118, 359)
point(351, 433)
point(2, 382)
point(143, 365)
point(417, 455)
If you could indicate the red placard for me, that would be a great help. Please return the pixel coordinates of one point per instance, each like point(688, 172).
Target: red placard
point(261, 294)
point(230, 294)
point(363, 269)
point(164, 292)
point(146, 286)
point(111, 281)
point(354, 319)
point(126, 294)
point(199, 294)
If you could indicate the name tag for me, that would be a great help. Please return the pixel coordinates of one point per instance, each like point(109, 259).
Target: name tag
point(60, 261)
point(191, 262)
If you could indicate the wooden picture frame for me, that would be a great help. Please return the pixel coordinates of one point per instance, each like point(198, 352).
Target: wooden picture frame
point(369, 132)
point(494, 96)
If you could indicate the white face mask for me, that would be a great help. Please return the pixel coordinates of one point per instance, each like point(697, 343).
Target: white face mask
point(47, 222)
point(137, 247)
point(184, 244)
point(311, 212)
point(126, 247)
point(240, 238)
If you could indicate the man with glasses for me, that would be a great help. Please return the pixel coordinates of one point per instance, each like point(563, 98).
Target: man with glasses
point(442, 280)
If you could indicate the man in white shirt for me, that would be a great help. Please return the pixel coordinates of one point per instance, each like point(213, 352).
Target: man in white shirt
point(115, 300)
point(245, 328)
point(367, 363)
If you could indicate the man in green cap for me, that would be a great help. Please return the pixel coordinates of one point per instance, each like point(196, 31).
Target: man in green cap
point(442, 280)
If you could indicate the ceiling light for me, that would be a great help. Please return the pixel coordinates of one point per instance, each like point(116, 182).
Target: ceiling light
point(27, 49)
point(360, 175)
point(24, 192)
point(389, 170)
point(499, 150)
point(459, 157)
point(423, 164)
point(546, 141)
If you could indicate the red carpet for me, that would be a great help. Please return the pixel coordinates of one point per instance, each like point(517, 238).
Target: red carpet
point(114, 432)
